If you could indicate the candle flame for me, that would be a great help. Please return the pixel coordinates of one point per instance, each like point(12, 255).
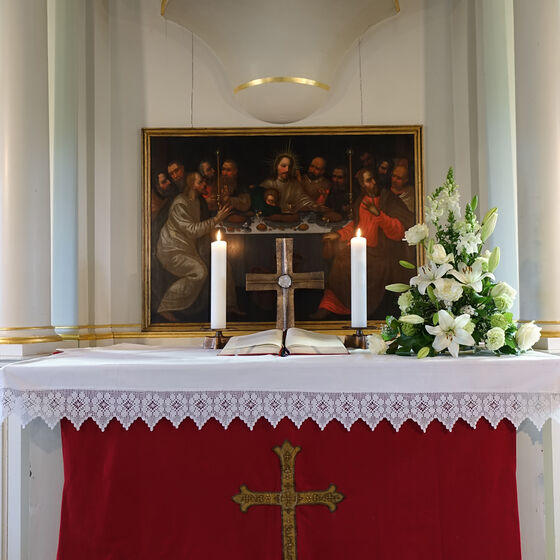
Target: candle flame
point(358, 232)
point(219, 235)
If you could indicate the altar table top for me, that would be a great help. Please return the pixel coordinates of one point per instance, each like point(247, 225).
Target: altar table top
point(128, 382)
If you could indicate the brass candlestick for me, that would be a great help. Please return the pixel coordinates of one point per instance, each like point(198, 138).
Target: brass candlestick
point(356, 340)
point(216, 342)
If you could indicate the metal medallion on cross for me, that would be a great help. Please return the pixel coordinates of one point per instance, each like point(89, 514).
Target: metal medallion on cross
point(288, 498)
point(284, 281)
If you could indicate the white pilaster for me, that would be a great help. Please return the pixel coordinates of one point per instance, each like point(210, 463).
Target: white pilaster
point(25, 251)
point(65, 34)
point(496, 126)
point(537, 52)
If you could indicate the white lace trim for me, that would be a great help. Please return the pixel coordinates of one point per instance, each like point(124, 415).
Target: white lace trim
point(347, 408)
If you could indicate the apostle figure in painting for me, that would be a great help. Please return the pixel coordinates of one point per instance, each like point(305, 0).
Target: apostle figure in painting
point(284, 180)
point(367, 163)
point(338, 196)
point(383, 171)
point(177, 247)
point(400, 186)
point(176, 171)
point(163, 191)
point(208, 173)
point(232, 192)
point(383, 218)
point(315, 184)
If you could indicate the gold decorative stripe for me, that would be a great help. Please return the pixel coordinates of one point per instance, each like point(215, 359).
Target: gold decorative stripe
point(282, 79)
point(28, 339)
point(397, 7)
point(26, 328)
point(123, 326)
point(550, 334)
point(163, 6)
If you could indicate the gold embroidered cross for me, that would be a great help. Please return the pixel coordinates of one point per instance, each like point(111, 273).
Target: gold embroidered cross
point(288, 498)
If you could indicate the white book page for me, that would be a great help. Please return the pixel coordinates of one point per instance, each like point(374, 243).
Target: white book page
point(270, 337)
point(301, 337)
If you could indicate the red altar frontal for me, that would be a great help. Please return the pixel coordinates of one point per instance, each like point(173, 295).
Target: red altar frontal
point(176, 493)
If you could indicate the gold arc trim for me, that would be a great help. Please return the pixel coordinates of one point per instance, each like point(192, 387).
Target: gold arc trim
point(397, 7)
point(281, 79)
point(163, 7)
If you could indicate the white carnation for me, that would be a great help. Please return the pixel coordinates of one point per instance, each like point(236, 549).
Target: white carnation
point(527, 335)
point(376, 344)
point(405, 301)
point(495, 339)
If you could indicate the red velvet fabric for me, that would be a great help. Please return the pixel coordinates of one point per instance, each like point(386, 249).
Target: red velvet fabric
point(167, 494)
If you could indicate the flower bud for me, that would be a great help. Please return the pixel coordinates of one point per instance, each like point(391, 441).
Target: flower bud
point(494, 259)
point(423, 352)
point(398, 288)
point(474, 202)
point(488, 224)
point(406, 264)
point(411, 319)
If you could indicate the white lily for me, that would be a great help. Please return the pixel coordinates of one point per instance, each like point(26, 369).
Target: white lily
point(471, 276)
point(428, 274)
point(450, 333)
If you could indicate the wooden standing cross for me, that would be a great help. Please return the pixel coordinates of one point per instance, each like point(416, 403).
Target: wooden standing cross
point(285, 281)
point(288, 498)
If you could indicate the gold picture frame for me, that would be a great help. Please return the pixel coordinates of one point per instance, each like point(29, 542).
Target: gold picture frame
point(253, 151)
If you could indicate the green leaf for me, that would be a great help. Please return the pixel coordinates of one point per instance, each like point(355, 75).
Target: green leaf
point(474, 203)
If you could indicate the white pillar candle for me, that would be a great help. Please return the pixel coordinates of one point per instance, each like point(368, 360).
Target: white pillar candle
point(218, 284)
point(358, 272)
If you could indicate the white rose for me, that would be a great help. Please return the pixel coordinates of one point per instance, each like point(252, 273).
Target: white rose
point(376, 344)
point(447, 289)
point(416, 233)
point(495, 339)
point(438, 254)
point(527, 335)
point(503, 289)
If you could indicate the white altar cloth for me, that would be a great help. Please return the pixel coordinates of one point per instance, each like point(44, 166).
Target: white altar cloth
point(128, 382)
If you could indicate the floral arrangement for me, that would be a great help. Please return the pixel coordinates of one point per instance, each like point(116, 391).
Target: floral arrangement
point(454, 302)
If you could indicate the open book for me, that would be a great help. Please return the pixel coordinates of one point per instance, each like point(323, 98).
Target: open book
point(297, 341)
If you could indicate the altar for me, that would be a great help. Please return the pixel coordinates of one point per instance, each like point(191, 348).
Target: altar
point(179, 453)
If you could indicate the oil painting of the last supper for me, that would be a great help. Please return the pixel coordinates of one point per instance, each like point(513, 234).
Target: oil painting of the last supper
point(314, 185)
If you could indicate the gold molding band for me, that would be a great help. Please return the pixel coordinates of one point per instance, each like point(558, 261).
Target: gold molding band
point(26, 328)
point(163, 7)
point(108, 326)
point(29, 339)
point(397, 7)
point(281, 79)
